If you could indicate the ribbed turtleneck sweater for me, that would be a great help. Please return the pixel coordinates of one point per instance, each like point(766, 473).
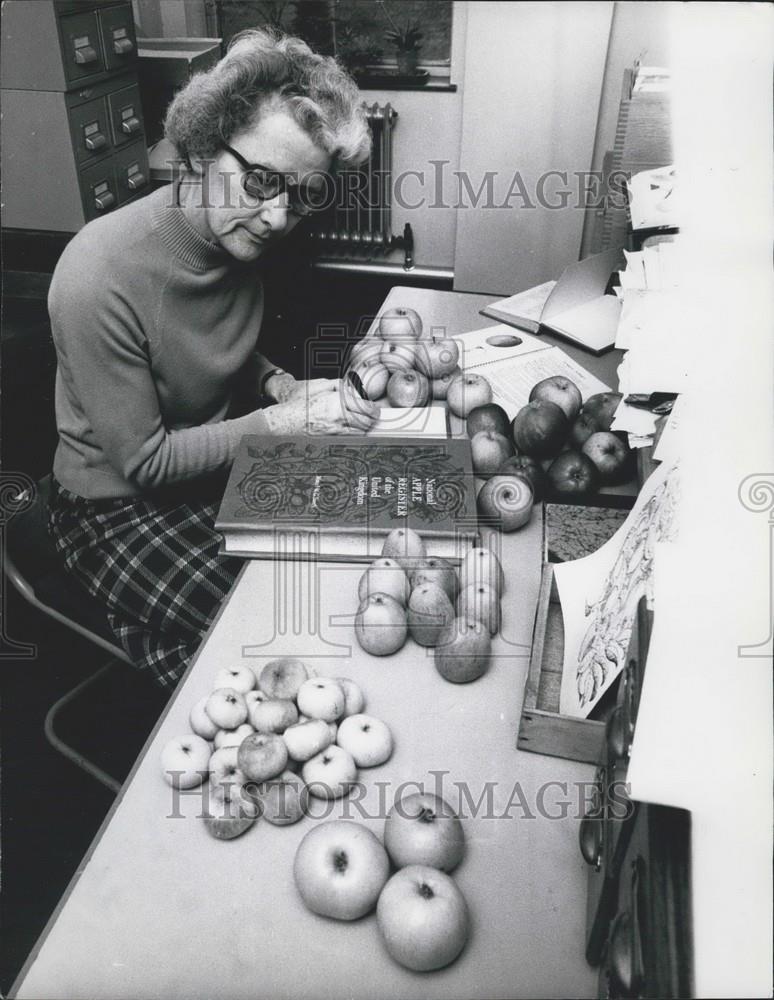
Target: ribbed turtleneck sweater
point(153, 325)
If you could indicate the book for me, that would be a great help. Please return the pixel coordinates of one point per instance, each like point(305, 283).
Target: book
point(576, 307)
point(337, 498)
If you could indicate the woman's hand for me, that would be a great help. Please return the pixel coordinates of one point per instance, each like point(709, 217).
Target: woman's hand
point(322, 406)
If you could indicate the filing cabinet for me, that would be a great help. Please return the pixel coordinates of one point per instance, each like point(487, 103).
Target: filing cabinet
point(73, 132)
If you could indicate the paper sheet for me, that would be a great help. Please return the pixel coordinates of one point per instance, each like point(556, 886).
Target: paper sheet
point(526, 305)
point(600, 593)
point(669, 447)
point(495, 344)
point(653, 198)
point(429, 421)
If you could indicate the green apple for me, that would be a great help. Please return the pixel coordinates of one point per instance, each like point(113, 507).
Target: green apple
point(463, 651)
point(429, 611)
point(381, 627)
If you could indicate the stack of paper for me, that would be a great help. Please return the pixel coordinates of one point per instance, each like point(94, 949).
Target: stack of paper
point(653, 199)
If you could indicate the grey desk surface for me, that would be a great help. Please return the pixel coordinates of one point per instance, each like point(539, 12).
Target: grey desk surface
point(160, 909)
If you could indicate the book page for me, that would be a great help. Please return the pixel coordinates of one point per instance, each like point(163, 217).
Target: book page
point(494, 344)
point(527, 304)
point(512, 380)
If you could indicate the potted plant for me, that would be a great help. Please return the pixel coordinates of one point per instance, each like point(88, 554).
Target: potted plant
point(407, 41)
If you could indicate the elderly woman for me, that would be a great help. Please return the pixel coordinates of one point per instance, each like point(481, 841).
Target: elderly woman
point(156, 313)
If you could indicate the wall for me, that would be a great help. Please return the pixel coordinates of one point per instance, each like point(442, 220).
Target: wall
point(533, 81)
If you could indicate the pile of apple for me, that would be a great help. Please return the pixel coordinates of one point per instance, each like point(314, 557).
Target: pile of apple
point(406, 592)
point(252, 735)
point(412, 366)
point(562, 447)
point(342, 871)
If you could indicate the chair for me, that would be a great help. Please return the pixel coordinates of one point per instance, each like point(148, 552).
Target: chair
point(32, 565)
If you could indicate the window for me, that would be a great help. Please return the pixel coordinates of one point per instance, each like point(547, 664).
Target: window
point(402, 36)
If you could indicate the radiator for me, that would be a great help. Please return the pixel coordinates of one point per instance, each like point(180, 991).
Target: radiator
point(359, 223)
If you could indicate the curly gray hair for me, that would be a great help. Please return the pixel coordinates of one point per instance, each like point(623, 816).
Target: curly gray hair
point(263, 67)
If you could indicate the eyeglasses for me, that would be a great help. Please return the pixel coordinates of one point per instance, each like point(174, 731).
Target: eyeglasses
point(263, 184)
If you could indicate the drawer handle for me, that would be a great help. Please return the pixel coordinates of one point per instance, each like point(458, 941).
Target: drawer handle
point(85, 55)
point(104, 201)
point(96, 141)
point(137, 181)
point(123, 46)
point(130, 125)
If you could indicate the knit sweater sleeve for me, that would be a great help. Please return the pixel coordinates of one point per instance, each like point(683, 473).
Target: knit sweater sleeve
point(105, 358)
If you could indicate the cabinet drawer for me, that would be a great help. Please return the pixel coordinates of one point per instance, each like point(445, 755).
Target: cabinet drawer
point(90, 130)
point(118, 38)
point(132, 171)
point(98, 188)
point(81, 49)
point(125, 115)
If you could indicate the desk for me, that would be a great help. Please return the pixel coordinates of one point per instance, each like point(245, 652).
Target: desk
point(160, 909)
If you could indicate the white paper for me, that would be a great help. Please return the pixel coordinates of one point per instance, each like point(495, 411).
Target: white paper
point(410, 421)
point(669, 447)
point(526, 305)
point(635, 420)
point(653, 198)
point(495, 344)
point(599, 594)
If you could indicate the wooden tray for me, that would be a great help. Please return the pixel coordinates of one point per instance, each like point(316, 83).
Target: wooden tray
point(542, 729)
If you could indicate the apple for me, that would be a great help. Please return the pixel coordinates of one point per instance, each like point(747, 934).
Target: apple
point(232, 737)
point(225, 769)
point(274, 715)
point(506, 502)
point(262, 756)
point(490, 417)
point(339, 869)
point(463, 651)
point(408, 388)
point(610, 456)
point(330, 773)
point(428, 611)
point(540, 429)
point(405, 546)
point(398, 356)
point(572, 474)
point(560, 390)
point(306, 739)
point(367, 739)
point(481, 565)
point(423, 918)
point(321, 698)
point(466, 392)
point(373, 377)
point(240, 678)
point(282, 800)
point(423, 829)
point(354, 699)
point(479, 602)
point(185, 760)
point(437, 357)
point(385, 576)
point(531, 469)
point(201, 724)
point(440, 386)
point(601, 408)
point(228, 813)
point(333, 729)
point(439, 571)
point(400, 323)
point(283, 677)
point(365, 350)
point(489, 450)
point(582, 428)
point(381, 627)
point(227, 708)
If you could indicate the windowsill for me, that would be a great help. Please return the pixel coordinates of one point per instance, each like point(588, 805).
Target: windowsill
point(387, 80)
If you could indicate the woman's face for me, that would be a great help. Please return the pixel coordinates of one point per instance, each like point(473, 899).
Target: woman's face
point(243, 226)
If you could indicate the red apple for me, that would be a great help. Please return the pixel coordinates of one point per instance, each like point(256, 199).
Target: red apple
point(610, 456)
point(560, 390)
point(572, 475)
point(489, 417)
point(523, 465)
point(340, 869)
point(423, 829)
point(466, 392)
point(583, 427)
point(505, 502)
point(408, 388)
point(423, 918)
point(437, 357)
point(400, 323)
point(540, 429)
point(440, 386)
point(489, 450)
point(601, 407)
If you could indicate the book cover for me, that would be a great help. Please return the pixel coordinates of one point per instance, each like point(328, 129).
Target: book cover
point(337, 497)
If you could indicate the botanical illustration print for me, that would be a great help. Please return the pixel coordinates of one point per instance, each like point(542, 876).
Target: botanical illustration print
point(610, 618)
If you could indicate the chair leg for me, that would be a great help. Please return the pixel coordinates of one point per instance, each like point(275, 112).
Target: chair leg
point(70, 752)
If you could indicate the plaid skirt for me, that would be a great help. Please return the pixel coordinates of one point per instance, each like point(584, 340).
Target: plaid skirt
point(154, 565)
